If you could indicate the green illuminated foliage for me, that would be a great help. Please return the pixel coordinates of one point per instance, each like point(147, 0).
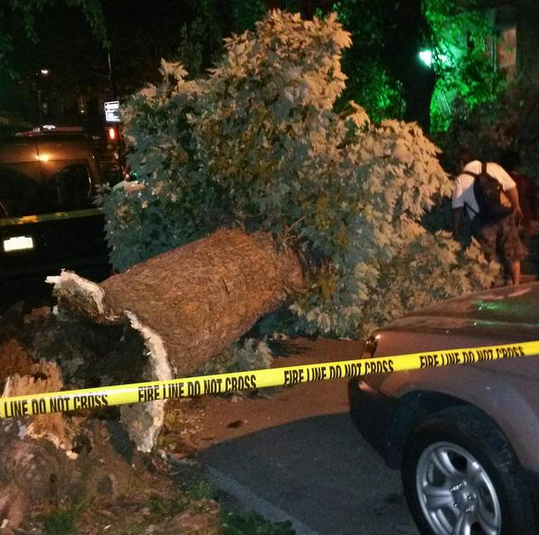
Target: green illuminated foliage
point(507, 123)
point(379, 93)
point(371, 82)
point(257, 145)
point(457, 33)
point(460, 38)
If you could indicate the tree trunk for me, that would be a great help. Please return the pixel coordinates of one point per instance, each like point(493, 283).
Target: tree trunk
point(401, 54)
point(189, 304)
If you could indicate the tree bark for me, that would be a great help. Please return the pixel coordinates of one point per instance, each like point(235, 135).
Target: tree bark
point(203, 296)
point(189, 304)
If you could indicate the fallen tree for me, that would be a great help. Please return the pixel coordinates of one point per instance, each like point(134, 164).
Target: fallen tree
point(256, 194)
point(251, 161)
point(165, 317)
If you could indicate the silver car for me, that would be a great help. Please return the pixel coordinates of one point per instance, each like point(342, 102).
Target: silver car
point(466, 438)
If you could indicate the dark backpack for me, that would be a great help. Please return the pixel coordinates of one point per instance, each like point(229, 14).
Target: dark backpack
point(492, 201)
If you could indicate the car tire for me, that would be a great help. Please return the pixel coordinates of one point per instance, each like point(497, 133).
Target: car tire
point(461, 477)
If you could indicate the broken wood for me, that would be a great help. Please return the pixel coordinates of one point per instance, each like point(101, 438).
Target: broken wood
point(189, 304)
point(165, 317)
point(55, 460)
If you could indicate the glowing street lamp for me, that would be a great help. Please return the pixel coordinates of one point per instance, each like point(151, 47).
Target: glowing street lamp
point(426, 57)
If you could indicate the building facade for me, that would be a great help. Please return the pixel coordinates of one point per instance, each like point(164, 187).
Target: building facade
point(516, 23)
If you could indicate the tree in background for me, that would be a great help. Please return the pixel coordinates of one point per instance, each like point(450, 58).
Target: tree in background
point(415, 59)
point(387, 75)
point(211, 21)
point(257, 146)
point(132, 34)
point(459, 51)
point(24, 52)
point(19, 21)
point(493, 127)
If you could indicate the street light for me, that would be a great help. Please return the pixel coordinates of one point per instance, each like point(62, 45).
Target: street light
point(426, 57)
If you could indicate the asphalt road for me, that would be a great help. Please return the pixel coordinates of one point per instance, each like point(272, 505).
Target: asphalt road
point(317, 473)
point(298, 456)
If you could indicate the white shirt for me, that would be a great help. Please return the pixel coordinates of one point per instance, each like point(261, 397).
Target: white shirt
point(463, 188)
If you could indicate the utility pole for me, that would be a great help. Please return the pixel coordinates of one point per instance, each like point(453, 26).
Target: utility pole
point(39, 107)
point(112, 84)
point(40, 76)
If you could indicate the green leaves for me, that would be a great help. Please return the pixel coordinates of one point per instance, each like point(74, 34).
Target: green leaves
point(461, 34)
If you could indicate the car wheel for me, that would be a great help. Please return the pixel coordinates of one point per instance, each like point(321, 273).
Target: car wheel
point(461, 477)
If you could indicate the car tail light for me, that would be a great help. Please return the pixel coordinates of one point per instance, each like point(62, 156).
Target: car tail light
point(112, 134)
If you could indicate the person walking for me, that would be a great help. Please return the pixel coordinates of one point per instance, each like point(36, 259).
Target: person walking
point(488, 196)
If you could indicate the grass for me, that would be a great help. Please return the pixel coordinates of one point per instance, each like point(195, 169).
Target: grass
point(134, 527)
point(233, 523)
point(202, 490)
point(63, 521)
point(166, 507)
point(195, 496)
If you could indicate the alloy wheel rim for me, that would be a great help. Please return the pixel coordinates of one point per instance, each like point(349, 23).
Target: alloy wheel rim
point(455, 492)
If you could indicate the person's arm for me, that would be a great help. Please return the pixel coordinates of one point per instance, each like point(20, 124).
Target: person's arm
point(457, 221)
point(509, 188)
point(515, 204)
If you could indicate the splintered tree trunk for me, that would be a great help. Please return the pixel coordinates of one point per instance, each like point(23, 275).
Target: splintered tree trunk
point(189, 304)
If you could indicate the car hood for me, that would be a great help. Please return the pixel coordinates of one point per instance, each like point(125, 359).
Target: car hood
point(499, 316)
point(502, 311)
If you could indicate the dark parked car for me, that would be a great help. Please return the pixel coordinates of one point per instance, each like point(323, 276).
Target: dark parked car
point(466, 438)
point(49, 178)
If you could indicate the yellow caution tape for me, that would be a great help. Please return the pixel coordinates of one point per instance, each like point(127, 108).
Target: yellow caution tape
point(92, 398)
point(29, 219)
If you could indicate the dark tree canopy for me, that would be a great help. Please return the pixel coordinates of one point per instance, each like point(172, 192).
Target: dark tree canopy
point(106, 49)
point(19, 21)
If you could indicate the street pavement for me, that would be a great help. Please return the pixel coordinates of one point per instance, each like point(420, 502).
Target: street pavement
point(298, 456)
